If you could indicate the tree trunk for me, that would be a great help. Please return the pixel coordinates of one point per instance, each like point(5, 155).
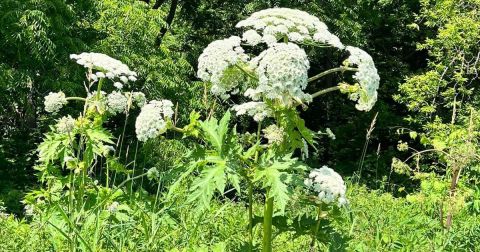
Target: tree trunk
point(168, 21)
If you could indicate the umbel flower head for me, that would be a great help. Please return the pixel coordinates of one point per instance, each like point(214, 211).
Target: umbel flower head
point(279, 23)
point(366, 76)
point(216, 58)
point(55, 101)
point(274, 134)
point(139, 98)
point(282, 74)
point(257, 110)
point(151, 122)
point(65, 124)
point(106, 66)
point(328, 185)
point(116, 103)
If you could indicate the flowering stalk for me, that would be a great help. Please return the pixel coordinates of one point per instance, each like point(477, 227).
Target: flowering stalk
point(267, 225)
point(333, 70)
point(76, 99)
point(250, 193)
point(324, 91)
point(317, 226)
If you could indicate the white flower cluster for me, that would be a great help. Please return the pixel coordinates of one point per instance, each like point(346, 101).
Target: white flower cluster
point(274, 134)
point(65, 124)
point(139, 98)
point(150, 122)
point(282, 74)
point(367, 77)
point(116, 103)
point(277, 23)
point(106, 66)
point(257, 110)
point(55, 101)
point(217, 57)
point(153, 173)
point(112, 208)
point(330, 134)
point(328, 184)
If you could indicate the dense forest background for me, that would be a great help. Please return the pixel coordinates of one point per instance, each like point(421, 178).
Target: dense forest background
point(161, 40)
point(427, 54)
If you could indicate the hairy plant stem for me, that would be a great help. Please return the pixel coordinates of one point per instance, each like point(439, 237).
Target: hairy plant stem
point(333, 70)
point(267, 225)
point(317, 226)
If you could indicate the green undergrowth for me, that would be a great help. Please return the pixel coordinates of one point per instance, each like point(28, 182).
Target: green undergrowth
point(375, 221)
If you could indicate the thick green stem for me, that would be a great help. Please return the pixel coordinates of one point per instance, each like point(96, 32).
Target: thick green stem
point(317, 226)
point(324, 91)
point(99, 88)
point(250, 193)
point(75, 99)
point(267, 225)
point(250, 214)
point(333, 70)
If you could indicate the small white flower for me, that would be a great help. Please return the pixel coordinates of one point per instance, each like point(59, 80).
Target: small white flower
point(55, 101)
point(93, 77)
point(269, 39)
point(215, 59)
point(258, 110)
point(118, 85)
point(29, 210)
point(112, 208)
point(251, 37)
point(153, 173)
point(282, 72)
point(297, 25)
point(150, 122)
point(274, 134)
point(65, 124)
point(328, 184)
point(326, 37)
point(106, 65)
point(295, 37)
point(366, 76)
point(139, 98)
point(100, 75)
point(116, 103)
point(330, 133)
point(124, 79)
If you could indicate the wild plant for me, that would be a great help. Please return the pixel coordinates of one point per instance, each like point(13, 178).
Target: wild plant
point(272, 83)
point(79, 158)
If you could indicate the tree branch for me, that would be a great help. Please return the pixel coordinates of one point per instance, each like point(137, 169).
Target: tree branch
point(157, 4)
point(168, 21)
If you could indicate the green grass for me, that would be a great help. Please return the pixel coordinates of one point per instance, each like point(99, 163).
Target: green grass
point(375, 222)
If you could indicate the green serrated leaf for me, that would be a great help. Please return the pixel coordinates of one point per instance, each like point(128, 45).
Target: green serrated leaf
point(413, 135)
point(203, 187)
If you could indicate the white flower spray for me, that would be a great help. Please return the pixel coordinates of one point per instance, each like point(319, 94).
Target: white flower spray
point(55, 101)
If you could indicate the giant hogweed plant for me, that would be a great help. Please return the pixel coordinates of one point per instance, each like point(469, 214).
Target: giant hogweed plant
point(273, 82)
point(78, 157)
